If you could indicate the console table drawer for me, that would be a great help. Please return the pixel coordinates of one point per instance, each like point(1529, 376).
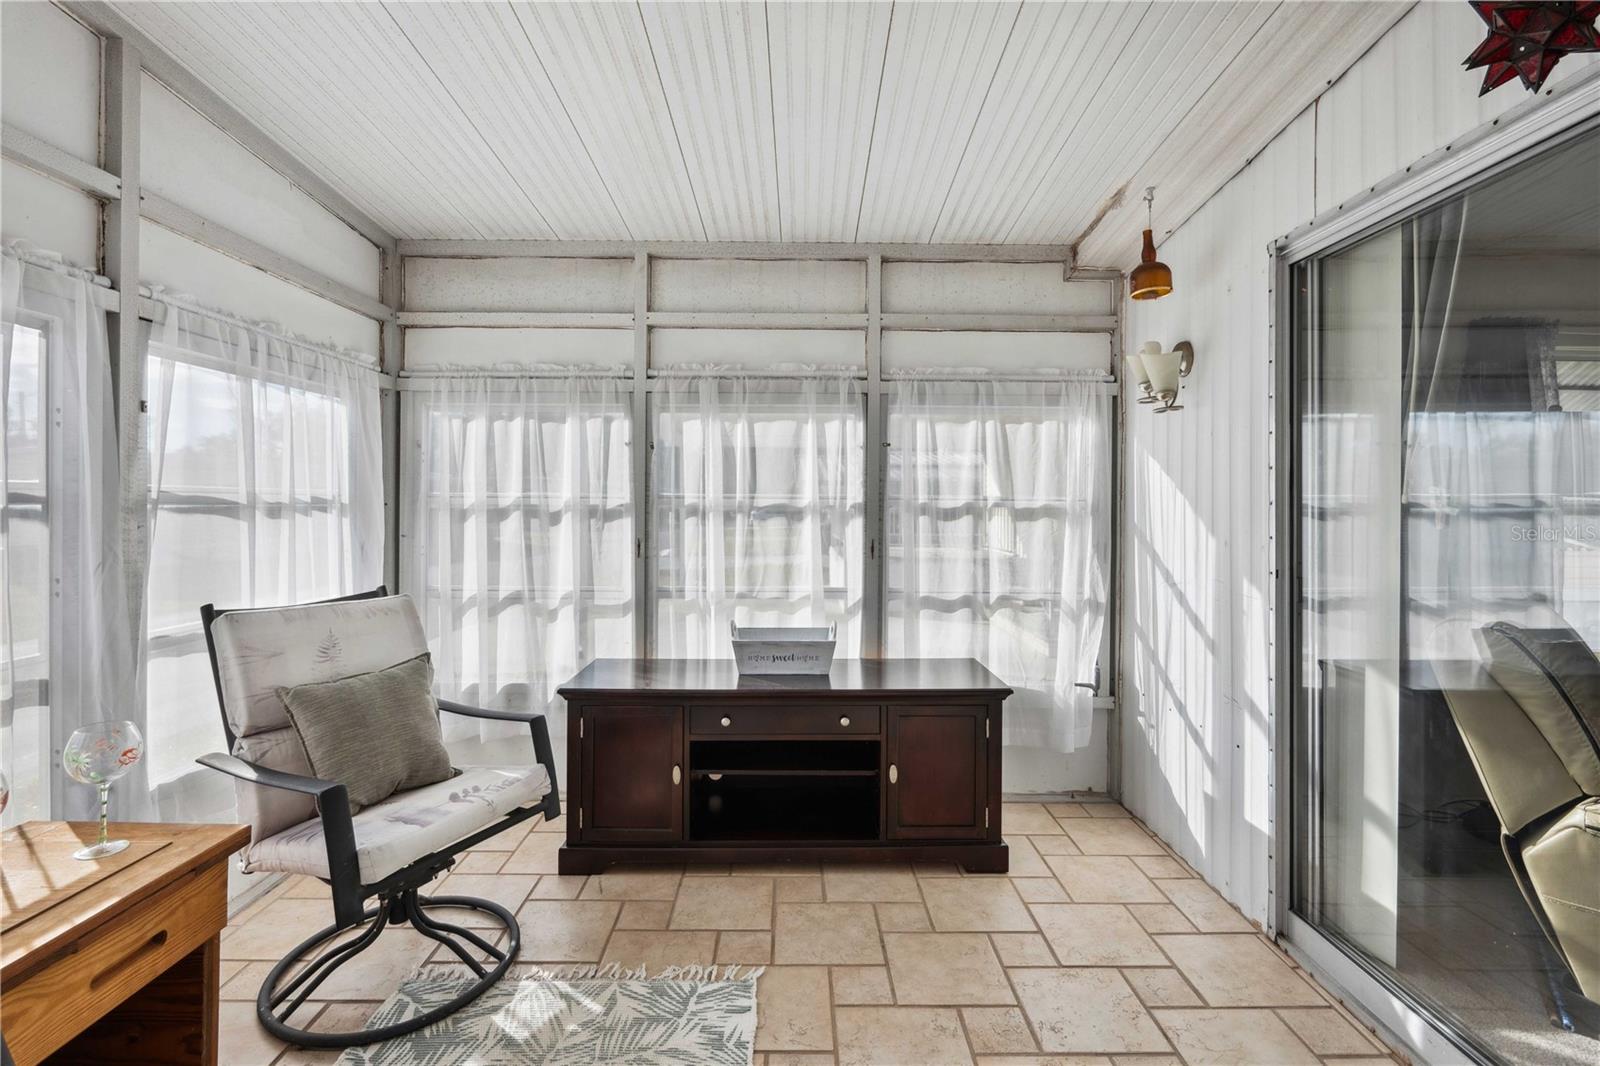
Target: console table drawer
point(769, 720)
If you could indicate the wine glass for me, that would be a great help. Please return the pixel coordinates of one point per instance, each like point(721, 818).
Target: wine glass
point(98, 754)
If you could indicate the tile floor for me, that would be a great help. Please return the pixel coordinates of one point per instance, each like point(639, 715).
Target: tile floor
point(1100, 948)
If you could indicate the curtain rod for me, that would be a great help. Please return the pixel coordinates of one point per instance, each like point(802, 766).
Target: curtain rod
point(166, 300)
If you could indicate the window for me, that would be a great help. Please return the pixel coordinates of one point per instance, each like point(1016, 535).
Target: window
point(1449, 478)
point(520, 540)
point(25, 561)
point(997, 518)
point(262, 482)
point(757, 510)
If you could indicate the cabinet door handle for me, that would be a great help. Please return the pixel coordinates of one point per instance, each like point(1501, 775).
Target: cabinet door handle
point(894, 773)
point(844, 720)
point(726, 721)
point(677, 774)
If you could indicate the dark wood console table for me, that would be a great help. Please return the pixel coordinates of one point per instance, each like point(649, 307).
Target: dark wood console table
point(882, 760)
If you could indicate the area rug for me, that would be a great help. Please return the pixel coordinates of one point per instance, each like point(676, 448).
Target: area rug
point(589, 1016)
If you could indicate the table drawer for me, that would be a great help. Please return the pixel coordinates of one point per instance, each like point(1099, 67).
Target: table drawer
point(769, 720)
point(50, 1006)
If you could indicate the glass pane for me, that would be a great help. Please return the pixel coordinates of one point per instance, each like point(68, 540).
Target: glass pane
point(1449, 471)
point(25, 574)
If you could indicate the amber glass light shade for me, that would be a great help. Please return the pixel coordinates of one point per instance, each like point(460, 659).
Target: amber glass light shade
point(1150, 278)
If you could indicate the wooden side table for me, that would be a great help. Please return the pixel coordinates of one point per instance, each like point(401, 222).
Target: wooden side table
point(116, 960)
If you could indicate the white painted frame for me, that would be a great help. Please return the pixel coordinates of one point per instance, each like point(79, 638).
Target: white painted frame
point(1539, 124)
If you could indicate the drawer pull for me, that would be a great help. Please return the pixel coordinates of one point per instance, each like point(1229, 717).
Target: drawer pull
point(155, 943)
point(726, 721)
point(894, 773)
point(844, 720)
point(677, 774)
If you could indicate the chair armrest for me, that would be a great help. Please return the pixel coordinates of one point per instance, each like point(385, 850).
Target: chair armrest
point(537, 726)
point(338, 828)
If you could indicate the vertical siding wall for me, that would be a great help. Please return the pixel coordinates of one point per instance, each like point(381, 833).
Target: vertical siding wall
point(1196, 628)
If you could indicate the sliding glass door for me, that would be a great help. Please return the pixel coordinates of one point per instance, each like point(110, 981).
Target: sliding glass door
point(1448, 481)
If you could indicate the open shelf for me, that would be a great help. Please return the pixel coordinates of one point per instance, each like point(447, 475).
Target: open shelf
point(784, 807)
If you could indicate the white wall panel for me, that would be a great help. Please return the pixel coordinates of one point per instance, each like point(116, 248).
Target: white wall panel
point(992, 288)
point(905, 349)
point(1197, 548)
point(187, 159)
point(758, 347)
point(464, 346)
point(783, 285)
point(518, 284)
point(50, 215)
point(50, 77)
point(216, 280)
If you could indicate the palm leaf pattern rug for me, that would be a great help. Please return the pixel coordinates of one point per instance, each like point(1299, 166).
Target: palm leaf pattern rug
point(565, 1021)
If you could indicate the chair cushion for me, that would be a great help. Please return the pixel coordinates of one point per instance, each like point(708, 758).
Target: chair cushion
point(375, 733)
point(408, 825)
point(1555, 678)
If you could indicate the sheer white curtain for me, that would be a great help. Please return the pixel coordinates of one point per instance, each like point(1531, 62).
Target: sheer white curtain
point(519, 539)
point(66, 642)
point(265, 488)
point(997, 510)
point(757, 505)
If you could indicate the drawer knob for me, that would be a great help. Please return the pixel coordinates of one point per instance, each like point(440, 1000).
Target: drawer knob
point(844, 719)
point(894, 773)
point(677, 775)
point(726, 721)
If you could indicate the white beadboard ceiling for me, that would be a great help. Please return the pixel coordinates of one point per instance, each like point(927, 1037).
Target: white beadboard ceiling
point(970, 123)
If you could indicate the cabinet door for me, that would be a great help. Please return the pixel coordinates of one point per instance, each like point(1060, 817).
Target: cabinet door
point(633, 776)
point(938, 772)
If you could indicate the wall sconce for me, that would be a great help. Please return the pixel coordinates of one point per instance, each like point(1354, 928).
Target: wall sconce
point(1162, 372)
point(1151, 279)
point(1140, 378)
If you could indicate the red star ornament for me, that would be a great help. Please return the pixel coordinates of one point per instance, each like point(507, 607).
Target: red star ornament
point(1527, 39)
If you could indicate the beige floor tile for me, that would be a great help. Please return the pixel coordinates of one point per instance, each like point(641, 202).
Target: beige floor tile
point(870, 884)
point(507, 841)
point(301, 886)
point(554, 825)
point(1096, 934)
point(745, 948)
point(775, 869)
point(566, 930)
point(707, 870)
point(1199, 903)
point(1104, 878)
point(1145, 1060)
point(1112, 836)
point(1060, 1060)
point(1039, 890)
point(655, 950)
point(1066, 810)
point(792, 1009)
point(1061, 845)
point(1086, 1011)
point(903, 918)
point(645, 914)
point(861, 986)
point(245, 982)
point(1237, 970)
point(378, 971)
point(946, 969)
point(479, 862)
point(1162, 988)
point(1024, 858)
point(796, 1058)
point(1027, 819)
point(1160, 918)
point(622, 883)
point(738, 903)
point(240, 1039)
point(826, 934)
point(535, 855)
point(975, 904)
point(1106, 810)
point(270, 932)
point(936, 869)
point(1326, 1032)
point(1160, 866)
point(998, 1030)
point(508, 890)
point(333, 1018)
point(1023, 949)
point(557, 886)
point(807, 889)
point(1230, 1037)
point(900, 1036)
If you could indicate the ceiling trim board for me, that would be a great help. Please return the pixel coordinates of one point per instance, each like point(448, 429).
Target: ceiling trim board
point(916, 253)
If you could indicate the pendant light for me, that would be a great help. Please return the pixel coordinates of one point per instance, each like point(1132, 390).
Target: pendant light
point(1152, 278)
